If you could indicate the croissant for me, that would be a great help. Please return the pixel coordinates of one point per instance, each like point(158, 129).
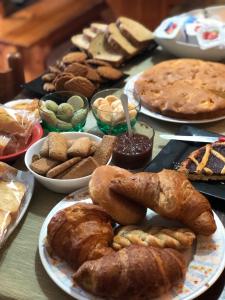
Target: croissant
point(177, 238)
point(132, 272)
point(171, 195)
point(79, 233)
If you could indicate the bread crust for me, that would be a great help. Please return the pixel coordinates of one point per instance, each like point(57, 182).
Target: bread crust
point(123, 211)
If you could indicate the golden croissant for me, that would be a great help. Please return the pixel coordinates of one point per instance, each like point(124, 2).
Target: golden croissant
point(177, 238)
point(132, 272)
point(171, 195)
point(79, 233)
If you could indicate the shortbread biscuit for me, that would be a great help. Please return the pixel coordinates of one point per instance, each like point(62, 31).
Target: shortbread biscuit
point(80, 85)
point(104, 149)
point(43, 165)
point(80, 147)
point(77, 69)
point(45, 148)
point(74, 57)
point(57, 146)
point(62, 167)
point(81, 169)
point(109, 73)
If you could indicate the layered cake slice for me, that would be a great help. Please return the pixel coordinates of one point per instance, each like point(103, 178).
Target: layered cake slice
point(206, 163)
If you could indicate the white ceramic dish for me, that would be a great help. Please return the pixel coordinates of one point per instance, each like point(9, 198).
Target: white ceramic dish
point(130, 87)
point(59, 185)
point(206, 266)
point(182, 49)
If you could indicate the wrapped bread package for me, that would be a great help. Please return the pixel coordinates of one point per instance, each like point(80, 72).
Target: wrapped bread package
point(15, 190)
point(16, 127)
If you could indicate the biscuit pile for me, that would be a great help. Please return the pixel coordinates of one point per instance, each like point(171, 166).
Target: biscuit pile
point(69, 159)
point(75, 72)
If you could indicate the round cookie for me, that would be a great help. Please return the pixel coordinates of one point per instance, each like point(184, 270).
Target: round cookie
point(74, 57)
point(109, 73)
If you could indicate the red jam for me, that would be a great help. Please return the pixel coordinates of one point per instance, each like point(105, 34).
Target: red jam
point(132, 152)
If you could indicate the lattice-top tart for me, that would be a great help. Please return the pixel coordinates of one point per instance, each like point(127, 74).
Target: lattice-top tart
point(206, 163)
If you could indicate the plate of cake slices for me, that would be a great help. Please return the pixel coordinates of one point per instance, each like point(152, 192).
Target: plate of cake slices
point(187, 91)
point(203, 163)
point(89, 249)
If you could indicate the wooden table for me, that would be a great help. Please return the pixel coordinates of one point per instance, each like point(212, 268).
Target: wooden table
point(36, 29)
point(22, 276)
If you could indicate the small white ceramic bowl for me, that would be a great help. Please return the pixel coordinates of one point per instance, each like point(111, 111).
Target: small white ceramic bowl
point(59, 185)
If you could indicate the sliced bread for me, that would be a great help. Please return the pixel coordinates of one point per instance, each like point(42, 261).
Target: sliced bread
point(135, 32)
point(89, 34)
point(119, 42)
point(100, 49)
point(80, 41)
point(98, 27)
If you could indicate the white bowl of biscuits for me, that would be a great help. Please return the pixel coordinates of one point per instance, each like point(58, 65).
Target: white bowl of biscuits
point(64, 162)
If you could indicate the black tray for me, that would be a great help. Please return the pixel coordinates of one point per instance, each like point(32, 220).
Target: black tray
point(35, 86)
point(176, 151)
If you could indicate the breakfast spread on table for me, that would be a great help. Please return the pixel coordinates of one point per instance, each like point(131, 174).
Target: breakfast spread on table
point(103, 256)
point(132, 234)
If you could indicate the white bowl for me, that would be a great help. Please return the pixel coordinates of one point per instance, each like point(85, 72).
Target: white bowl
point(59, 185)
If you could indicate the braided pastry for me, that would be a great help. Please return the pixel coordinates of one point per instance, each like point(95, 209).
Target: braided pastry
point(177, 238)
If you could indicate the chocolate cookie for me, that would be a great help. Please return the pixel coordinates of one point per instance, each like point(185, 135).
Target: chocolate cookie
point(109, 73)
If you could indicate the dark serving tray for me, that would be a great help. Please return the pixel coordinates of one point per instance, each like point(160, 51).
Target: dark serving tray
point(176, 151)
point(35, 86)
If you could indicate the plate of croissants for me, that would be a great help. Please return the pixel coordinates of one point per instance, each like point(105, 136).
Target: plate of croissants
point(133, 236)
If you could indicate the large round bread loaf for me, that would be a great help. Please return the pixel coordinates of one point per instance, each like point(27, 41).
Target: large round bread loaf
point(184, 88)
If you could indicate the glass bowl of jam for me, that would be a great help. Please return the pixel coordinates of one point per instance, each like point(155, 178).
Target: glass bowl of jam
point(108, 111)
point(135, 151)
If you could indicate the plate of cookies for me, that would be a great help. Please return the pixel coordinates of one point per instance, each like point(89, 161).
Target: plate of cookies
point(76, 72)
point(188, 91)
point(100, 243)
point(64, 162)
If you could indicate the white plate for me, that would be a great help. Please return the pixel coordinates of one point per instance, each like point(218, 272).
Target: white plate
point(206, 266)
point(28, 179)
point(129, 88)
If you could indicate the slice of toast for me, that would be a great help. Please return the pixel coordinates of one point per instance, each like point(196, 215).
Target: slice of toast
point(89, 34)
point(119, 42)
point(135, 32)
point(100, 49)
point(80, 41)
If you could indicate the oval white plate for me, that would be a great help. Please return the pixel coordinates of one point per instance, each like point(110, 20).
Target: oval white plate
point(130, 87)
point(206, 266)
